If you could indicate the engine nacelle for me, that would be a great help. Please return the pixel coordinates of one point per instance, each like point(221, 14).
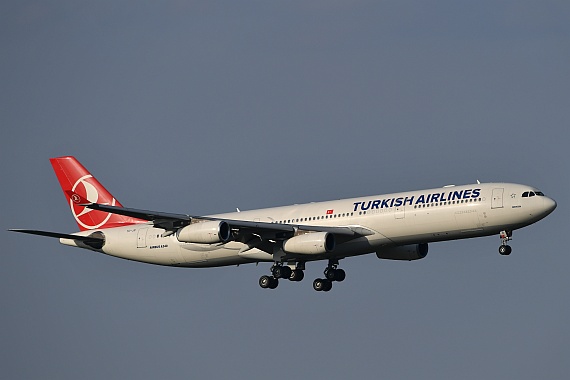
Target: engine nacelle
point(211, 232)
point(404, 252)
point(312, 243)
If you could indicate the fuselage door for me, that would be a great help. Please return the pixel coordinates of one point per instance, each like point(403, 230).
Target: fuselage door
point(497, 200)
point(141, 237)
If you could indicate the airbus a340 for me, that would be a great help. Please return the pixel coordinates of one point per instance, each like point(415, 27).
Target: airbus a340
point(394, 226)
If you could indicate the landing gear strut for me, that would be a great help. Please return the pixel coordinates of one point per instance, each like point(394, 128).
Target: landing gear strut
point(505, 249)
point(332, 273)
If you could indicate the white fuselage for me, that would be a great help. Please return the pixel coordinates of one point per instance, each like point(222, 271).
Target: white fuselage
point(414, 217)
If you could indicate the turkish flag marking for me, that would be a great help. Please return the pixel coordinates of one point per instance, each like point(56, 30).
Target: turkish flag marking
point(329, 212)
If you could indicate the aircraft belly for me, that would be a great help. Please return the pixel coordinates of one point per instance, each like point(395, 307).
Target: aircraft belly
point(211, 255)
point(359, 246)
point(425, 225)
point(144, 244)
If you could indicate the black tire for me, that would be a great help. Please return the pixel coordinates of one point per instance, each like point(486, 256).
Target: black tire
point(276, 271)
point(318, 284)
point(281, 272)
point(274, 283)
point(330, 274)
point(340, 275)
point(286, 272)
point(505, 250)
point(297, 275)
point(327, 285)
point(265, 282)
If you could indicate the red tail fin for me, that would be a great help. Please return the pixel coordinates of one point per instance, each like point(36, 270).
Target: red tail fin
point(74, 178)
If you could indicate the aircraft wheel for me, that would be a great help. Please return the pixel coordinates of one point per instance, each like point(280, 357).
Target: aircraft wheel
point(286, 272)
point(274, 283)
point(330, 274)
point(340, 275)
point(280, 271)
point(265, 281)
point(322, 285)
point(318, 284)
point(335, 274)
point(296, 275)
point(505, 250)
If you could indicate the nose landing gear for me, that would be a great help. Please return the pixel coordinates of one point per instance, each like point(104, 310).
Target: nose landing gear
point(505, 236)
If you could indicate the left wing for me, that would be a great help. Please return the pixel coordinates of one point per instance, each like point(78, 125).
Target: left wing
point(260, 235)
point(171, 221)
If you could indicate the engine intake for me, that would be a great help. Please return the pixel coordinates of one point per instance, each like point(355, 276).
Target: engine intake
point(313, 243)
point(404, 252)
point(210, 232)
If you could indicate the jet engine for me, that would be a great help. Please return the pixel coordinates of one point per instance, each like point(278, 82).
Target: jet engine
point(404, 252)
point(312, 243)
point(210, 232)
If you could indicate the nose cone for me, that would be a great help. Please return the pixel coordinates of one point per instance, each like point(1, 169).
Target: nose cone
point(548, 205)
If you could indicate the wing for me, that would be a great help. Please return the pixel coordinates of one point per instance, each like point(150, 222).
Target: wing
point(261, 235)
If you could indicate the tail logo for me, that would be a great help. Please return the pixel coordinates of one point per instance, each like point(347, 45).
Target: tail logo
point(86, 217)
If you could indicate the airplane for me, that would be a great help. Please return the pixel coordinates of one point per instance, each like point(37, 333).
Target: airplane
point(393, 226)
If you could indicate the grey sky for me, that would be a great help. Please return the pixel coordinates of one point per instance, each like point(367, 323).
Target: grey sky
point(202, 106)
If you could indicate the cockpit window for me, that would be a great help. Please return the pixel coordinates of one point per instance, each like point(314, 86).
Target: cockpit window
point(527, 194)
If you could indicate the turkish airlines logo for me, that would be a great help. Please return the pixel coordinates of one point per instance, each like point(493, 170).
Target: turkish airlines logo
point(84, 216)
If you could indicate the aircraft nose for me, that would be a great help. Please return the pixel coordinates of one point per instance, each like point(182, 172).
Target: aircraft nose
point(549, 205)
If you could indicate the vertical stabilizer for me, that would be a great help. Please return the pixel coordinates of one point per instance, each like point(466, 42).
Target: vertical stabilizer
point(75, 179)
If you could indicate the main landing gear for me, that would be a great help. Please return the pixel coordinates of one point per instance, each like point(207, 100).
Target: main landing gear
point(282, 271)
point(505, 236)
point(332, 273)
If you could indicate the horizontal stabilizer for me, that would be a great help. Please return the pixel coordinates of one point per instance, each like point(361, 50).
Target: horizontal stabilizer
point(60, 236)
